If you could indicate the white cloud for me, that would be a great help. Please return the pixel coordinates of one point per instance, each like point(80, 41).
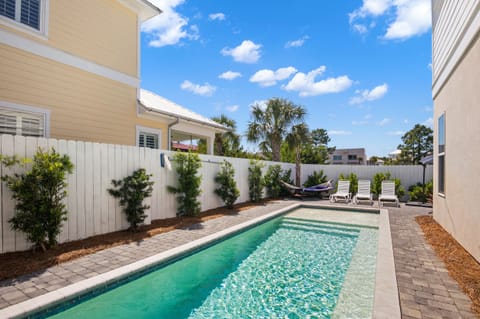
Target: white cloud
point(368, 116)
point(371, 7)
point(384, 122)
point(261, 103)
point(247, 52)
point(229, 75)
point(339, 132)
point(372, 95)
point(413, 17)
point(306, 86)
point(356, 123)
point(428, 122)
point(267, 77)
point(216, 16)
point(360, 28)
point(169, 27)
point(297, 43)
point(405, 18)
point(232, 108)
point(396, 133)
point(204, 90)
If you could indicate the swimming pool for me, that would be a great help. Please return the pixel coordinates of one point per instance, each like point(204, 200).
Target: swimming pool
point(293, 266)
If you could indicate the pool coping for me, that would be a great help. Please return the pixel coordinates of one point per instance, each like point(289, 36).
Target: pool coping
point(386, 304)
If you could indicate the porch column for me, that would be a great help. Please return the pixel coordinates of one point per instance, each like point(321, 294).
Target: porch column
point(210, 142)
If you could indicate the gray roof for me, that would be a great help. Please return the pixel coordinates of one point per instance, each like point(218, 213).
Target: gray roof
point(159, 104)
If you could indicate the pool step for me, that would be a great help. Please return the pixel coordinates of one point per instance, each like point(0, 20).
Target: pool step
point(319, 228)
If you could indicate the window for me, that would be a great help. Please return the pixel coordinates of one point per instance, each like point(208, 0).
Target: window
point(19, 122)
point(337, 157)
point(441, 154)
point(148, 140)
point(148, 137)
point(352, 157)
point(26, 12)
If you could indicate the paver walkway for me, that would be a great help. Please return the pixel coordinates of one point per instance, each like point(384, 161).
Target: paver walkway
point(426, 290)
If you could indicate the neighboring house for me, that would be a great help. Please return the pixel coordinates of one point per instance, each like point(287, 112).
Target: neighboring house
point(394, 154)
point(182, 124)
point(456, 95)
point(70, 69)
point(349, 156)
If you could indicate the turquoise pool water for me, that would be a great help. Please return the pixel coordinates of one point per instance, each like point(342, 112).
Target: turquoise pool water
point(284, 268)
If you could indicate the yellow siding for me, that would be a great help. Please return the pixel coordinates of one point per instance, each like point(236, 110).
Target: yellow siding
point(83, 106)
point(102, 31)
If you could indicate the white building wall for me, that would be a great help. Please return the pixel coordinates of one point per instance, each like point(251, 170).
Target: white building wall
point(456, 70)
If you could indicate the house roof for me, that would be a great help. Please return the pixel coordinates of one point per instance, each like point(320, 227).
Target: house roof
point(158, 104)
point(144, 8)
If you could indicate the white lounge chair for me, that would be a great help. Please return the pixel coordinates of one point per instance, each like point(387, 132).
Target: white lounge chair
point(343, 192)
point(388, 194)
point(363, 192)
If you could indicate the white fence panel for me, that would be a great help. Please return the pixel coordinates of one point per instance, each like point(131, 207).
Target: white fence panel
point(93, 211)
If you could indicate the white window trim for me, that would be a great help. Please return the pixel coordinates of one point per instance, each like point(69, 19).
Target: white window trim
point(42, 33)
point(150, 130)
point(30, 109)
point(442, 194)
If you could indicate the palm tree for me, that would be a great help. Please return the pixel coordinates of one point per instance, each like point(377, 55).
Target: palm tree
point(227, 144)
point(271, 124)
point(295, 139)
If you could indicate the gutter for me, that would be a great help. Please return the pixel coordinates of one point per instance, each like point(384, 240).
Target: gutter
point(177, 117)
point(151, 5)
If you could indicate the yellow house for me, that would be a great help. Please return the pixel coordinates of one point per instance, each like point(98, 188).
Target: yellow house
point(456, 96)
point(70, 69)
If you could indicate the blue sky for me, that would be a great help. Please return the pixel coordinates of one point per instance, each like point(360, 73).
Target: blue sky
point(361, 69)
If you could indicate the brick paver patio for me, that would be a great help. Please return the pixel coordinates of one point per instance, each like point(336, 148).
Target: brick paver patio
point(426, 290)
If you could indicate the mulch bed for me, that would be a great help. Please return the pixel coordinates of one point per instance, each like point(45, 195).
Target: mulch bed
point(460, 264)
point(25, 262)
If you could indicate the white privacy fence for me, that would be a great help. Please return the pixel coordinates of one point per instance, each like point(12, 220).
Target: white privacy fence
point(93, 211)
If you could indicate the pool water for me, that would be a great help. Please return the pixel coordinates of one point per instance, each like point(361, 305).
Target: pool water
point(284, 268)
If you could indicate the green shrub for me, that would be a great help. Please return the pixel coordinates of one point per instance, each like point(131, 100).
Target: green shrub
point(39, 194)
point(272, 179)
point(419, 193)
point(377, 184)
point(227, 190)
point(315, 179)
point(255, 181)
point(188, 189)
point(352, 177)
point(132, 190)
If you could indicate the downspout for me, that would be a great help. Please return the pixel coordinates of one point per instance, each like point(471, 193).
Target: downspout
point(169, 128)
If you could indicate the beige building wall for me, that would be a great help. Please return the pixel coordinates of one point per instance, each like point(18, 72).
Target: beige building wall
point(82, 105)
point(458, 210)
point(102, 31)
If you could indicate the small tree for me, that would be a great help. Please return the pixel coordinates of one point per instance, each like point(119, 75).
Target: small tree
point(188, 189)
point(227, 189)
point(421, 193)
point(39, 194)
point(273, 176)
point(132, 190)
point(315, 179)
point(255, 181)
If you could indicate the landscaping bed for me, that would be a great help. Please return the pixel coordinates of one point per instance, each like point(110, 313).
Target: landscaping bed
point(25, 262)
point(460, 264)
